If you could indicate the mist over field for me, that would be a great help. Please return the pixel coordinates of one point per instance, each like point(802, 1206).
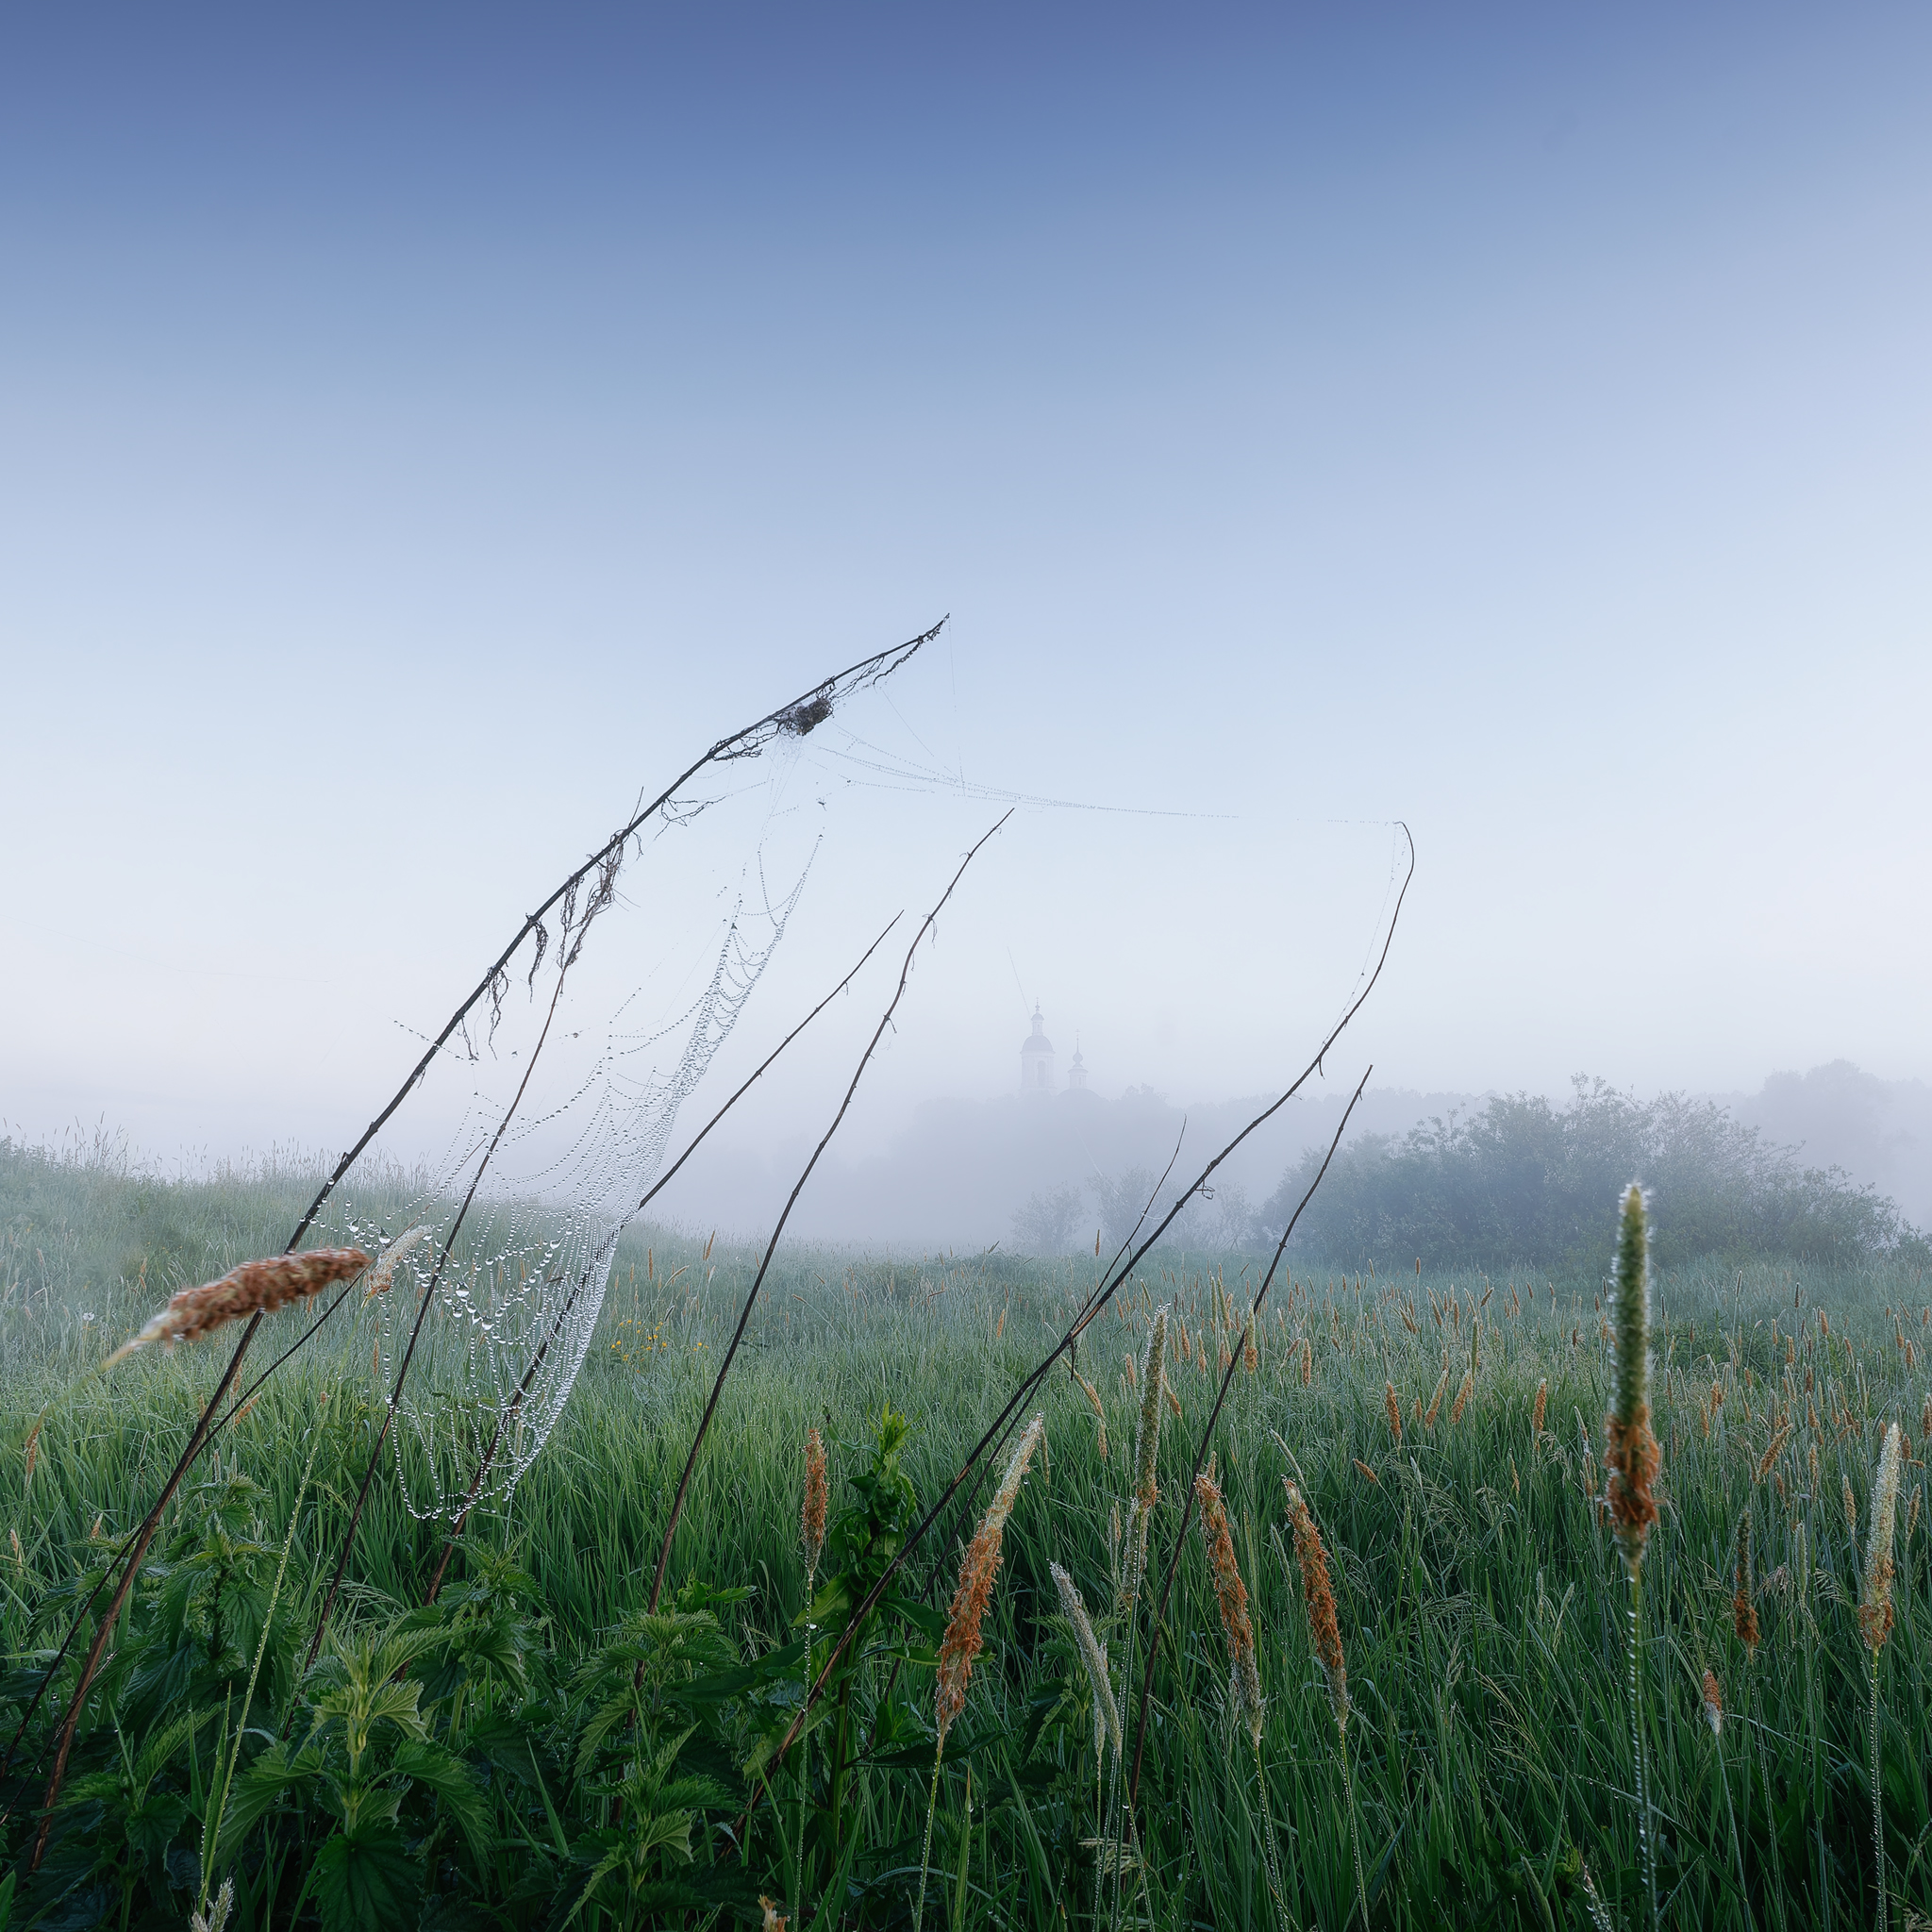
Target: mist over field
point(959, 1172)
point(965, 967)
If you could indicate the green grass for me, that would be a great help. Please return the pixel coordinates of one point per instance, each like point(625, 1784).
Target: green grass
point(1481, 1598)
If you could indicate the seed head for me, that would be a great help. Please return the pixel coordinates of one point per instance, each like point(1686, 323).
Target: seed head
point(1251, 1355)
point(1743, 1615)
point(1394, 1411)
point(1463, 1395)
point(1325, 1631)
point(1153, 1384)
point(1630, 1451)
point(1436, 1402)
point(811, 1521)
point(1093, 1395)
point(1540, 1406)
point(1849, 1502)
point(1771, 1454)
point(1713, 1703)
point(1874, 1609)
point(255, 1288)
point(978, 1567)
point(1107, 1711)
point(217, 1916)
point(1231, 1594)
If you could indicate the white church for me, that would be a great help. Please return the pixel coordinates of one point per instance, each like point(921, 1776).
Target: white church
point(1037, 1063)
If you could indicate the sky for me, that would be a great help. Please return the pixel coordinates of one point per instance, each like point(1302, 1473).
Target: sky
point(420, 431)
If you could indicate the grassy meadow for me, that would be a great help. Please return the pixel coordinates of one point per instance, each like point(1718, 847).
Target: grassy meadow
point(536, 1751)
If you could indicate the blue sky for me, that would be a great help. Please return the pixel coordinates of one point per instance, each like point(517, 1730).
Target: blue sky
point(416, 432)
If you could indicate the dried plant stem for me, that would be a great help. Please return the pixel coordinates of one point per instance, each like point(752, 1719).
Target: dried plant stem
point(697, 1441)
point(1090, 1311)
point(651, 1194)
point(428, 1295)
point(1201, 1456)
point(814, 704)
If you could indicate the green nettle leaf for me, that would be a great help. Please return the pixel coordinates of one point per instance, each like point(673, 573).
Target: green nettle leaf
point(450, 1778)
point(364, 1879)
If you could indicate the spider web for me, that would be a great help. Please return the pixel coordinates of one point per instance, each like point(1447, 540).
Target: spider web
point(558, 1097)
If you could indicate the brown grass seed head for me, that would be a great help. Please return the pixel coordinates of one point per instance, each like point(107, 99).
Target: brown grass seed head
point(1743, 1615)
point(811, 1522)
point(1231, 1595)
point(1324, 1629)
point(254, 1288)
point(978, 1568)
point(1393, 1409)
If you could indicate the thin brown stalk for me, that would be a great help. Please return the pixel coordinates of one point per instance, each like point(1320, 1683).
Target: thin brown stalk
point(796, 718)
point(657, 1187)
point(1119, 1272)
point(772, 1245)
point(1201, 1453)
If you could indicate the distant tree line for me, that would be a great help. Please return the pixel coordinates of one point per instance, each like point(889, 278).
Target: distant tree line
point(1521, 1180)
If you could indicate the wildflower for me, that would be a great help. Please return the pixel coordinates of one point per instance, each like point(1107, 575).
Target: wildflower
point(1231, 1594)
point(255, 1288)
point(978, 1568)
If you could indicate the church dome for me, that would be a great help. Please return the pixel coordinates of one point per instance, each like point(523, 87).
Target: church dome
point(1036, 1041)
